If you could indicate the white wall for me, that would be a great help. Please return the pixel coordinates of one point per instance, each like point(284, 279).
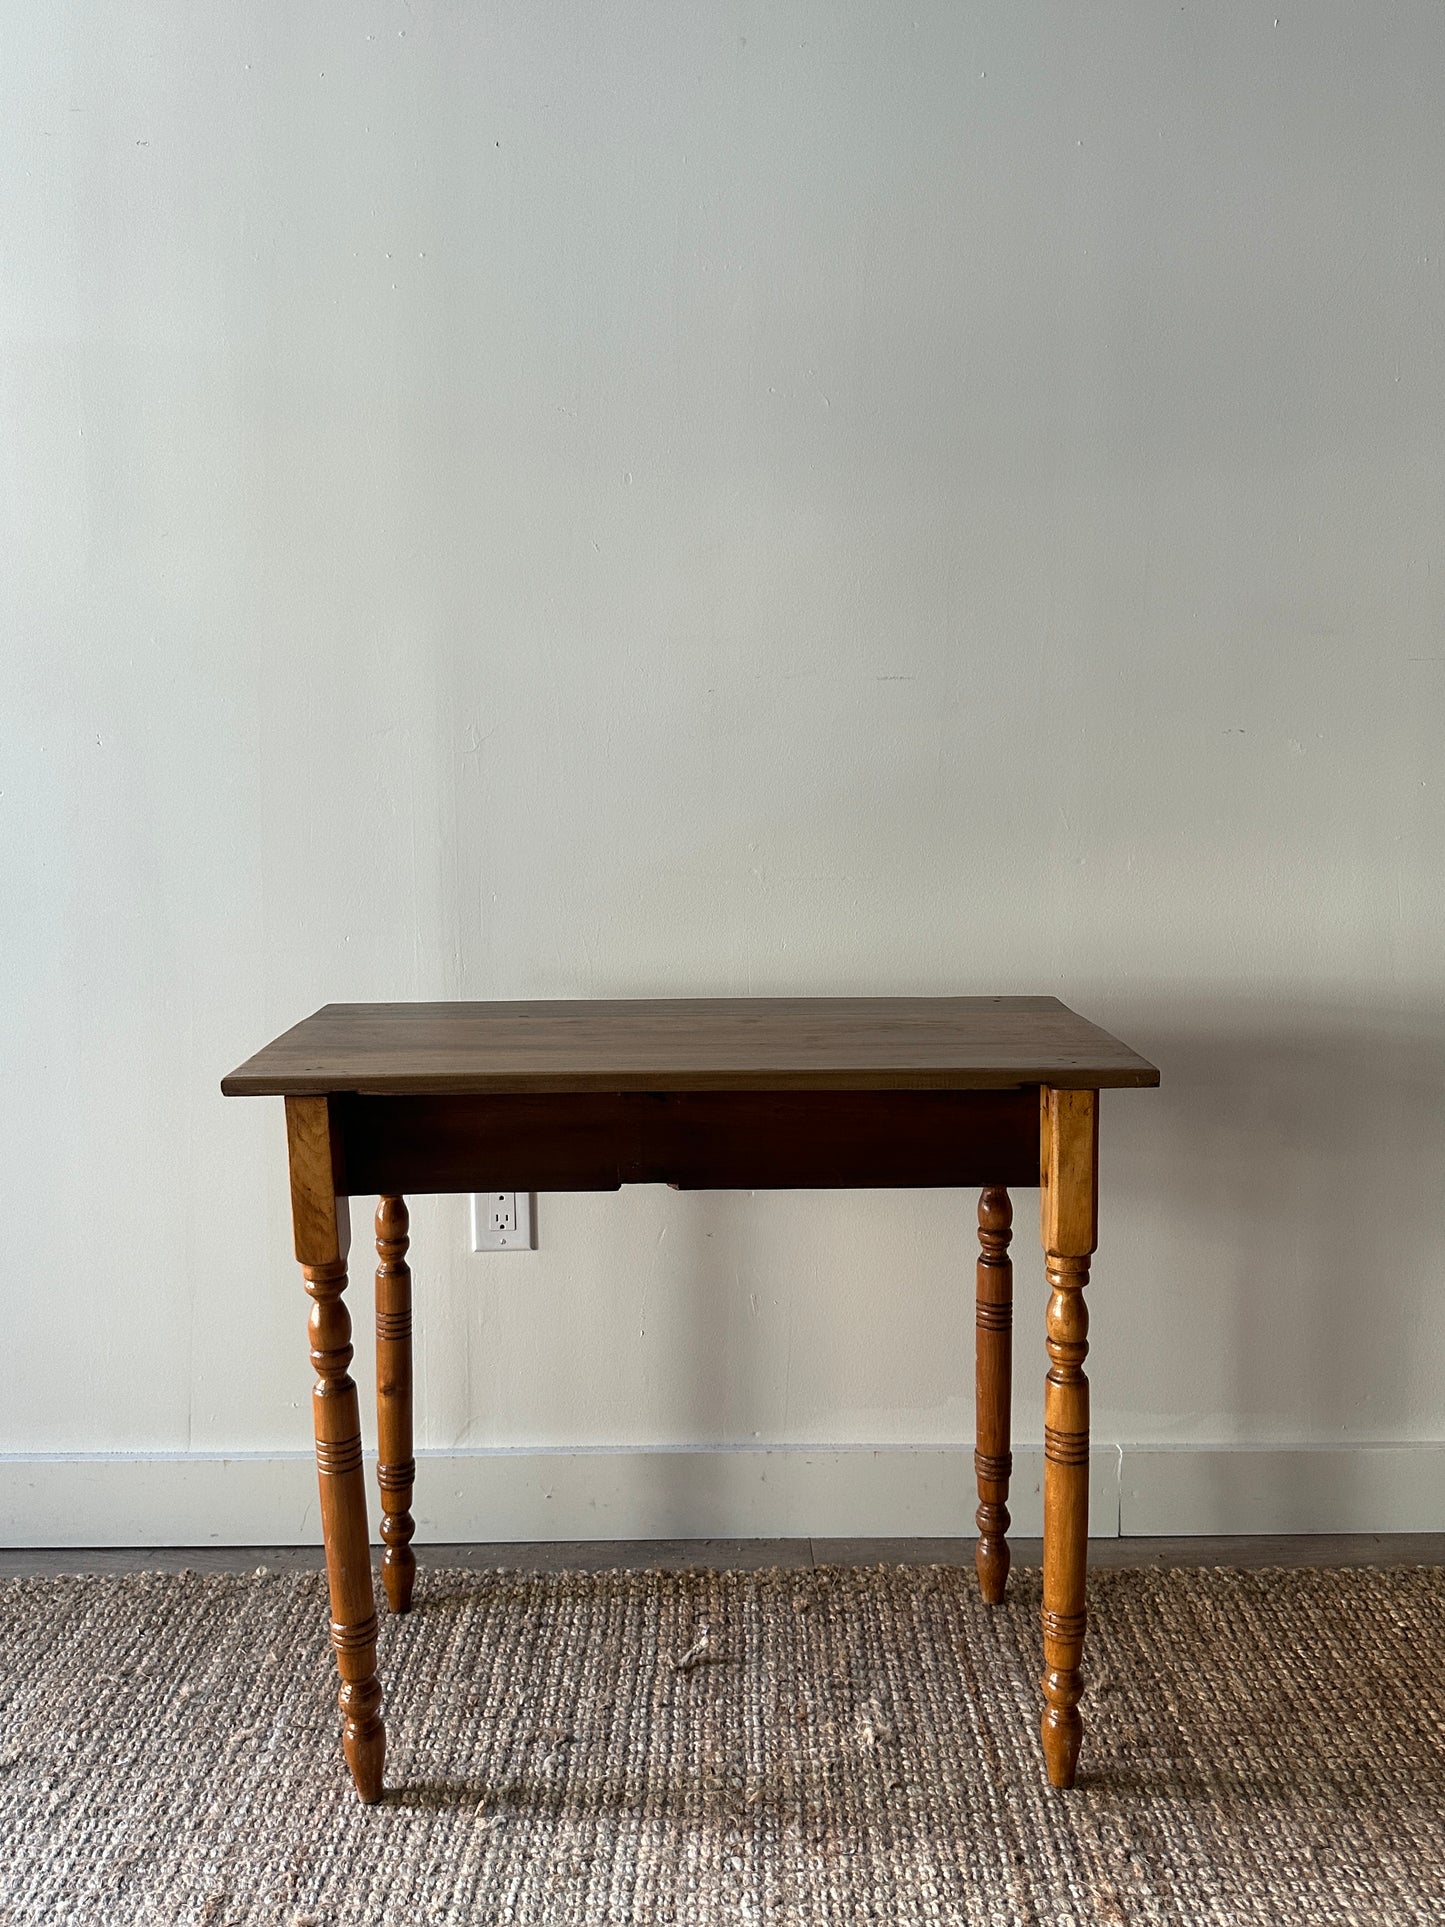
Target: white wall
point(538, 500)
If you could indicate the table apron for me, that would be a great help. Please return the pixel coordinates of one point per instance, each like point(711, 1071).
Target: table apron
point(693, 1140)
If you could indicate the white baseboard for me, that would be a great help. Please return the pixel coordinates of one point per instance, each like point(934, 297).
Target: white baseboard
point(1282, 1488)
point(843, 1492)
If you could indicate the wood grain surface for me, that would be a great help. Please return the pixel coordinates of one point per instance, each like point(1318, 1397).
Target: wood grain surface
point(693, 1044)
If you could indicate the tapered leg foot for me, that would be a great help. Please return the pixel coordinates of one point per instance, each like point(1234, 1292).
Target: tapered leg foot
point(398, 1577)
point(1068, 1205)
point(363, 1737)
point(993, 1381)
point(396, 1468)
point(1062, 1729)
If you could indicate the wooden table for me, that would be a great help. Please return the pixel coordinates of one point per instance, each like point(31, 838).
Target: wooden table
point(727, 1093)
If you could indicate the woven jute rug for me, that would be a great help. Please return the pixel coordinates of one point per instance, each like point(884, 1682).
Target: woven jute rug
point(837, 1746)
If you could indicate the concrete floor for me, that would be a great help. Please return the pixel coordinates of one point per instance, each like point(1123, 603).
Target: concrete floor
point(593, 1555)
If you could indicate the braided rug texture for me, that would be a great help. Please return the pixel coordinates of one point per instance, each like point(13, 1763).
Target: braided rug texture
point(839, 1746)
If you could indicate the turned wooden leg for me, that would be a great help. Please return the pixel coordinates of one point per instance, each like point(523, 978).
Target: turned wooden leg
point(993, 1381)
point(396, 1468)
point(323, 1234)
point(1068, 1216)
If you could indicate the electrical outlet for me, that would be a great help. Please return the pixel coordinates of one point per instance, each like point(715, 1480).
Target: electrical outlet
point(502, 1221)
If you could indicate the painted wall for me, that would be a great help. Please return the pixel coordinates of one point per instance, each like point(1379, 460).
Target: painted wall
point(540, 500)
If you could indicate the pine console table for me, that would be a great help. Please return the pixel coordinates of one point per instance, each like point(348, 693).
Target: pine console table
point(728, 1093)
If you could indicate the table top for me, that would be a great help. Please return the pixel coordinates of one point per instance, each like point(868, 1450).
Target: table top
point(692, 1044)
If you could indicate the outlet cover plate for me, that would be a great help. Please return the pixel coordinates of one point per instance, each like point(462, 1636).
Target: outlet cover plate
point(503, 1221)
